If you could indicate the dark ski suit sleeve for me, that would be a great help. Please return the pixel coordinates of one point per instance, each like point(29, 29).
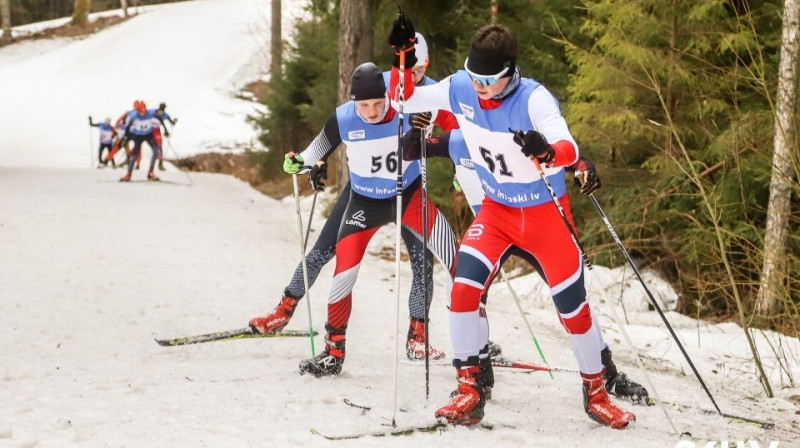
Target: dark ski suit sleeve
point(323, 144)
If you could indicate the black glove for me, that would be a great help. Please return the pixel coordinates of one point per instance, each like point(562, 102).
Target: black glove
point(402, 39)
point(412, 148)
point(402, 36)
point(421, 120)
point(90, 120)
point(166, 133)
point(316, 175)
point(535, 145)
point(586, 176)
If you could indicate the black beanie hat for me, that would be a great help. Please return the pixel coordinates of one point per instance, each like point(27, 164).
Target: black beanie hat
point(367, 83)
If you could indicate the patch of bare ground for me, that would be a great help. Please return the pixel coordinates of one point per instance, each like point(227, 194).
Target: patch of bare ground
point(242, 167)
point(255, 91)
point(69, 30)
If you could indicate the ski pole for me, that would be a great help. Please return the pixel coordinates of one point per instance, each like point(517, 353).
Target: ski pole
point(424, 175)
point(310, 217)
point(524, 318)
point(91, 150)
point(399, 219)
point(652, 299)
point(169, 143)
point(590, 268)
point(303, 259)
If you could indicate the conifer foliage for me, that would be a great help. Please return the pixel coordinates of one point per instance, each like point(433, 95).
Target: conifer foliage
point(673, 100)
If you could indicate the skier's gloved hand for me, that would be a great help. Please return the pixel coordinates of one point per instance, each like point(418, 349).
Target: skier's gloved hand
point(585, 176)
point(534, 144)
point(292, 163)
point(166, 133)
point(174, 121)
point(421, 120)
point(412, 148)
point(402, 38)
point(90, 120)
point(318, 173)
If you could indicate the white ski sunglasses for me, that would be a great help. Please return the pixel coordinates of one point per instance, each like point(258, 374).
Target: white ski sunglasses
point(484, 80)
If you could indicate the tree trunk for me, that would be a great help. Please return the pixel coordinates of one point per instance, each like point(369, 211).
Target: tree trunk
point(124, 5)
point(80, 15)
point(276, 42)
point(5, 18)
point(355, 47)
point(777, 232)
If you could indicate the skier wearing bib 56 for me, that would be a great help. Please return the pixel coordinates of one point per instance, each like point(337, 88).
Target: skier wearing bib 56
point(367, 125)
point(325, 247)
point(510, 125)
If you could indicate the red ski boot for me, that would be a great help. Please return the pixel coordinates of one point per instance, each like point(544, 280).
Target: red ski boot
point(599, 407)
point(415, 345)
point(126, 178)
point(276, 319)
point(466, 408)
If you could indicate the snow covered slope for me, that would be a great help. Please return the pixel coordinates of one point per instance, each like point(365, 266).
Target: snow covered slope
point(191, 55)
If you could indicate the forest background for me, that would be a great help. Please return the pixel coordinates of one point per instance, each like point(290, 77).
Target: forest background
point(674, 101)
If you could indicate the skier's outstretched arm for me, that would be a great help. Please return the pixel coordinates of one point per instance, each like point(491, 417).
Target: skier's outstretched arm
point(323, 144)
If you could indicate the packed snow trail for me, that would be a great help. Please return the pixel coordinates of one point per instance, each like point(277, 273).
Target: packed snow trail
point(93, 269)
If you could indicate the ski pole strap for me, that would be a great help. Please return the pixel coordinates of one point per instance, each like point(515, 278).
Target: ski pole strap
point(472, 361)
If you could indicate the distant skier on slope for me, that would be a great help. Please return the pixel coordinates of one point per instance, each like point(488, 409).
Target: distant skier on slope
point(161, 116)
point(325, 247)
point(141, 124)
point(510, 125)
point(106, 139)
point(452, 145)
point(121, 139)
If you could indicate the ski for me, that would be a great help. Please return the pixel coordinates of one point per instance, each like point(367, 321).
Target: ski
point(731, 418)
point(433, 428)
point(499, 362)
point(241, 333)
point(363, 409)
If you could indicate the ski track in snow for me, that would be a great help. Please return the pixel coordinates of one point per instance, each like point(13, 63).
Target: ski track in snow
point(92, 270)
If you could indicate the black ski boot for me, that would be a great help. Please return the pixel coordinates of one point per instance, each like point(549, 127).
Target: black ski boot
point(618, 384)
point(330, 361)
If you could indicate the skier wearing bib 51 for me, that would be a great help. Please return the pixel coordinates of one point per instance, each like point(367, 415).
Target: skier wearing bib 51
point(367, 125)
point(509, 124)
